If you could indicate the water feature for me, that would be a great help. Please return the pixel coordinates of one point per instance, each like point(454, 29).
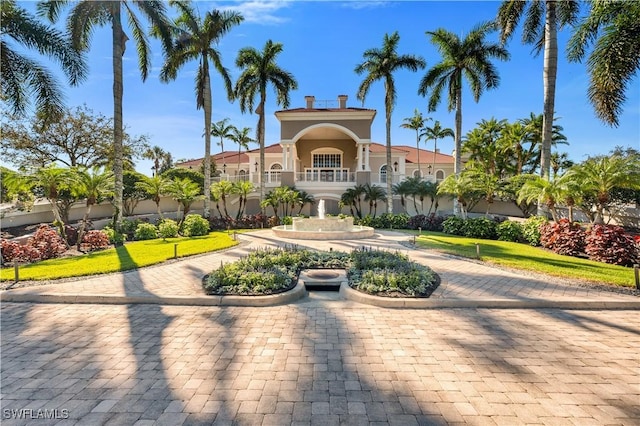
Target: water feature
point(323, 227)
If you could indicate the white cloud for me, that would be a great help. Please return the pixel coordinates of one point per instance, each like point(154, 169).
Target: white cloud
point(260, 12)
point(365, 4)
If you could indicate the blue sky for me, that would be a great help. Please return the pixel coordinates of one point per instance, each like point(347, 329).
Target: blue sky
point(323, 42)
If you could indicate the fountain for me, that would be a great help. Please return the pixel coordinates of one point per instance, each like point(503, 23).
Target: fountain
point(323, 228)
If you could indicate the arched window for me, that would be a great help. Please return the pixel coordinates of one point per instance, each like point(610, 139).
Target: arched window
point(439, 175)
point(416, 174)
point(242, 175)
point(383, 174)
point(274, 172)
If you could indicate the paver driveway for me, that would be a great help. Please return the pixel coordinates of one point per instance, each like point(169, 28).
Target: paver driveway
point(319, 362)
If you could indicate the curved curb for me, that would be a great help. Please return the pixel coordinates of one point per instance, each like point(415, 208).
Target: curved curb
point(290, 296)
point(429, 303)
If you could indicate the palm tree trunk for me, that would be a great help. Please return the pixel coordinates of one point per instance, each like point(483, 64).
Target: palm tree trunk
point(207, 140)
point(118, 40)
point(387, 107)
point(435, 148)
point(83, 226)
point(457, 167)
point(418, 151)
point(549, 81)
point(261, 140)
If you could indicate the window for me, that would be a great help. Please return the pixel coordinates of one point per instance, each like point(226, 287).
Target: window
point(439, 175)
point(383, 174)
point(416, 174)
point(329, 161)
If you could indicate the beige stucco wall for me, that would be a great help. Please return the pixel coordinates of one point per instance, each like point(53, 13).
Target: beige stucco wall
point(304, 148)
point(289, 129)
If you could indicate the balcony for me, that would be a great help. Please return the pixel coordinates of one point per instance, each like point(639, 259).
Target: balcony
point(326, 175)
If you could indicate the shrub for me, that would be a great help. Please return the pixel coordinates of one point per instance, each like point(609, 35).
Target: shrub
point(509, 231)
point(48, 242)
point(115, 238)
point(146, 231)
point(531, 229)
point(480, 227)
point(453, 225)
point(399, 221)
point(129, 226)
point(563, 237)
point(610, 244)
point(95, 240)
point(195, 225)
point(431, 222)
point(287, 220)
point(168, 228)
point(13, 252)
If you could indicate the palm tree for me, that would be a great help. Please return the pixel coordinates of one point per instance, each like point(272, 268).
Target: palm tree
point(415, 123)
point(242, 138)
point(482, 145)
point(436, 132)
point(185, 192)
point(259, 69)
point(95, 185)
point(305, 198)
point(535, 128)
point(543, 191)
point(196, 39)
point(373, 194)
point(155, 187)
point(221, 190)
point(598, 176)
point(459, 187)
point(469, 58)
point(52, 181)
point(380, 64)
point(85, 15)
point(613, 28)
point(24, 79)
point(243, 188)
point(223, 131)
point(541, 25)
point(560, 161)
point(161, 159)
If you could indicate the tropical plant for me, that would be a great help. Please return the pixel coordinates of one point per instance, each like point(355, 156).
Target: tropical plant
point(303, 199)
point(373, 194)
point(132, 194)
point(560, 161)
point(482, 146)
point(24, 79)
point(381, 64)
point(459, 187)
point(259, 69)
point(222, 130)
point(162, 160)
point(242, 188)
point(145, 231)
point(543, 191)
point(95, 185)
point(469, 58)
point(194, 225)
point(612, 27)
point(196, 38)
point(85, 15)
point(154, 188)
point(416, 123)
point(51, 182)
point(242, 138)
point(534, 125)
point(489, 185)
point(541, 25)
point(185, 192)
point(221, 190)
point(436, 132)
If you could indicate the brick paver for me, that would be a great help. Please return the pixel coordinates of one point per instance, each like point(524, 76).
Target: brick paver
point(318, 361)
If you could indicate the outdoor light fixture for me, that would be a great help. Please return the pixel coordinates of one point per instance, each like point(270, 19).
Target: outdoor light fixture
point(224, 168)
point(256, 165)
point(429, 168)
point(395, 166)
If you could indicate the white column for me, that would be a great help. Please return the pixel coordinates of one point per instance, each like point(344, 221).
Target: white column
point(360, 156)
point(366, 158)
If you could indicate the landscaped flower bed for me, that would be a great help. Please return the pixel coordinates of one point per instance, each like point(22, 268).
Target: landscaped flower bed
point(271, 271)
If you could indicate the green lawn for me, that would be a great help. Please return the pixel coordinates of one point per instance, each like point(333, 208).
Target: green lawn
point(130, 256)
point(525, 257)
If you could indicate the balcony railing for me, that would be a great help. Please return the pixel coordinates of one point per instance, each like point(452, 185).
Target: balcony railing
point(326, 175)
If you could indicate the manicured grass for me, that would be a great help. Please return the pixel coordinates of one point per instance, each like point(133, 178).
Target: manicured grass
point(525, 257)
point(130, 256)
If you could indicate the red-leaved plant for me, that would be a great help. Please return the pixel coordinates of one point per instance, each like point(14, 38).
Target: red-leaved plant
point(94, 240)
point(13, 252)
point(610, 244)
point(48, 242)
point(563, 237)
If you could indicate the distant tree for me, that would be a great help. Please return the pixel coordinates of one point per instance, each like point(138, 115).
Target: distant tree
point(542, 21)
point(132, 194)
point(178, 172)
point(381, 64)
point(436, 132)
point(162, 160)
point(242, 138)
point(416, 123)
point(95, 185)
point(468, 58)
point(222, 130)
point(612, 27)
point(25, 80)
point(482, 146)
point(259, 69)
point(75, 138)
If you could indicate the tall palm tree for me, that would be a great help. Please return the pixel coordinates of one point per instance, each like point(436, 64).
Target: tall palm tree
point(380, 64)
point(541, 25)
point(85, 15)
point(469, 58)
point(242, 138)
point(196, 39)
point(222, 130)
point(159, 157)
point(416, 123)
point(95, 185)
point(259, 69)
point(24, 79)
point(436, 132)
point(612, 27)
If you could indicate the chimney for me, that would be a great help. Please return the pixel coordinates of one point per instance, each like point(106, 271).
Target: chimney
point(342, 101)
point(310, 100)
